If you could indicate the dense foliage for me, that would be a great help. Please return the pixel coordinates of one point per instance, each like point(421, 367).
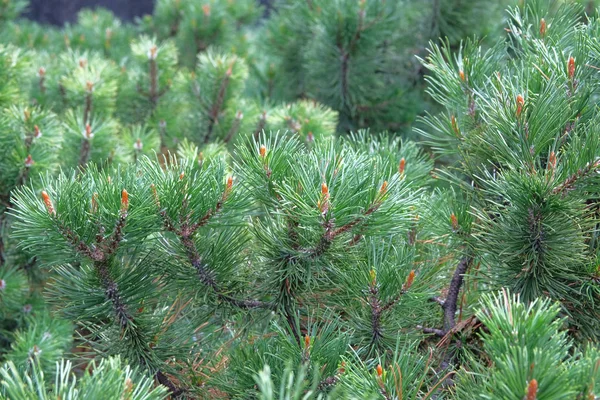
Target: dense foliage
point(216, 203)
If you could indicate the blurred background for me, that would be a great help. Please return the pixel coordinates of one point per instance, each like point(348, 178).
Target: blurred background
point(57, 12)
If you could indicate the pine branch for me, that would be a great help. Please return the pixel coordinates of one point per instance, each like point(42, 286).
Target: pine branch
point(213, 116)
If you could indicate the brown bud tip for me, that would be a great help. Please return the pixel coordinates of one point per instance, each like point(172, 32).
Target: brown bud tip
point(36, 132)
point(409, 280)
point(552, 161)
point(401, 166)
point(206, 10)
point(324, 189)
point(153, 52)
point(306, 340)
point(454, 125)
point(454, 221)
point(124, 201)
point(48, 203)
point(461, 73)
point(88, 131)
point(383, 188)
point(310, 137)
point(42, 72)
point(89, 86)
point(138, 145)
point(229, 183)
point(94, 202)
point(2, 284)
point(379, 370)
point(342, 367)
point(532, 388)
point(82, 62)
point(239, 115)
point(571, 67)
point(542, 27)
point(181, 175)
point(29, 161)
point(263, 151)
point(520, 103)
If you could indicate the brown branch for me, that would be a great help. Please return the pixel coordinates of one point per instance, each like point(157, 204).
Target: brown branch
point(153, 92)
point(570, 182)
point(451, 302)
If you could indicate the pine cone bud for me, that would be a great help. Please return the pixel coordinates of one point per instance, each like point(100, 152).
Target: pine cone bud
point(29, 161)
point(461, 73)
point(324, 189)
point(552, 161)
point(263, 151)
point(409, 280)
point(94, 203)
point(181, 175)
point(383, 189)
point(454, 221)
point(36, 132)
point(48, 203)
point(571, 68)
point(379, 370)
point(152, 52)
point(542, 27)
point(155, 195)
point(520, 103)
point(124, 201)
point(306, 341)
point(455, 125)
point(532, 388)
point(401, 166)
point(87, 133)
point(229, 183)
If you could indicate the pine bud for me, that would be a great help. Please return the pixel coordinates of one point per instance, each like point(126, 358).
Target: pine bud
point(229, 183)
point(383, 189)
point(263, 151)
point(552, 161)
point(29, 161)
point(2, 285)
point(152, 52)
point(87, 133)
point(124, 201)
point(454, 221)
point(138, 145)
point(401, 166)
point(379, 370)
point(206, 10)
point(342, 367)
point(27, 308)
point(181, 175)
point(373, 276)
point(42, 72)
point(520, 103)
point(82, 62)
point(94, 203)
point(461, 73)
point(239, 115)
point(455, 125)
point(36, 132)
point(26, 114)
point(324, 189)
point(409, 280)
point(306, 341)
point(48, 203)
point(532, 388)
point(310, 137)
point(542, 27)
point(89, 86)
point(571, 68)
point(155, 195)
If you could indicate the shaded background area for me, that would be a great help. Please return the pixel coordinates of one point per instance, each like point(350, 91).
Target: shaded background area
point(57, 12)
